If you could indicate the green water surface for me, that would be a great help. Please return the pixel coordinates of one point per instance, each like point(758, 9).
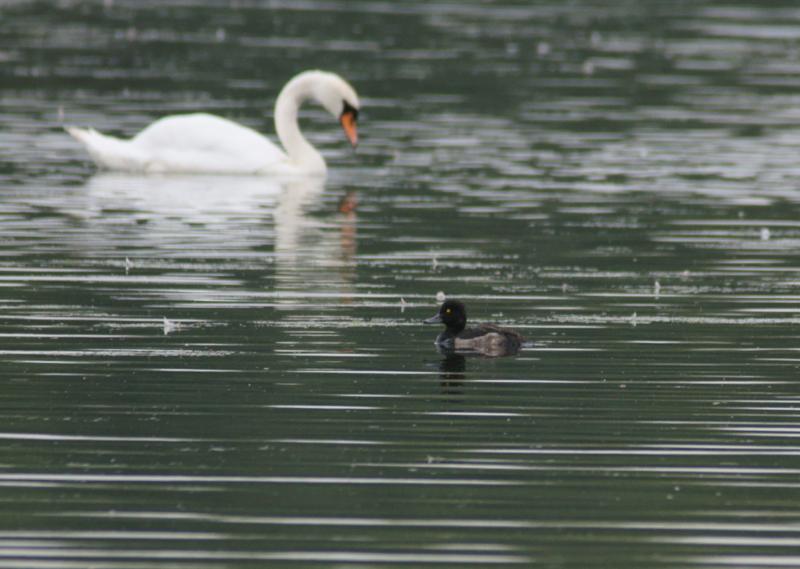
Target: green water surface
point(617, 180)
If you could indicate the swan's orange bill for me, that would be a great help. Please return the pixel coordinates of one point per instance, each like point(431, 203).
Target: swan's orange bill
point(348, 120)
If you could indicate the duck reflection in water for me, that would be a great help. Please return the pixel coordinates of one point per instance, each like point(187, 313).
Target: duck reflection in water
point(452, 370)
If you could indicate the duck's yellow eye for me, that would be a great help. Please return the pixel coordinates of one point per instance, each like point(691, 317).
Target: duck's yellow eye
point(448, 311)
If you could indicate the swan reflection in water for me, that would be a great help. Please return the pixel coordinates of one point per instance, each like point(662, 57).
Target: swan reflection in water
point(227, 219)
point(199, 199)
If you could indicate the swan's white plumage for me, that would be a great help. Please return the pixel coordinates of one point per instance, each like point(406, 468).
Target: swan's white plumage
point(198, 143)
point(204, 143)
point(109, 152)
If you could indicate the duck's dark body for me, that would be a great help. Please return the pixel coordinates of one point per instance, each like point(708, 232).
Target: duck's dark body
point(488, 339)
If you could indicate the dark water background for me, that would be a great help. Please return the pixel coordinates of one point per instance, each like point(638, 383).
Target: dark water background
point(617, 180)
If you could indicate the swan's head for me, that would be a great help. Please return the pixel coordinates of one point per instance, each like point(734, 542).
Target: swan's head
point(339, 99)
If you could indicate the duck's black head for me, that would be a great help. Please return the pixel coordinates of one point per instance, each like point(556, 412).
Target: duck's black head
point(452, 314)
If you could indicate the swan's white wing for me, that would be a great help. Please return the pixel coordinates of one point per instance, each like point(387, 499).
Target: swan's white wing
point(206, 143)
point(109, 152)
point(196, 143)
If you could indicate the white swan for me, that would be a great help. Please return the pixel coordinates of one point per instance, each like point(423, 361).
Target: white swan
point(204, 143)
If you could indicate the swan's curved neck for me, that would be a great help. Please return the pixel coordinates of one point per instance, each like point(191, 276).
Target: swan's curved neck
point(299, 150)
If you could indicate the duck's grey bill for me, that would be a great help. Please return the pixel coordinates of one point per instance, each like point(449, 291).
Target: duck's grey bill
point(434, 319)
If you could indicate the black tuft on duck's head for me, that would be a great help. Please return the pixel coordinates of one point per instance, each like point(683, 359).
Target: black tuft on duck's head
point(452, 314)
